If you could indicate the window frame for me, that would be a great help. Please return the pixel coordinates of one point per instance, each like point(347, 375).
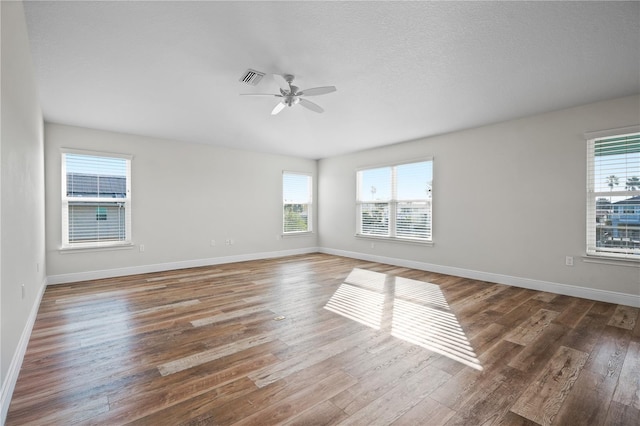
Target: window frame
point(393, 202)
point(65, 200)
point(309, 204)
point(591, 249)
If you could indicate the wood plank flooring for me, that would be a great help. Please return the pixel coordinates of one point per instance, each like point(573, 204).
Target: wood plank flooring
point(319, 340)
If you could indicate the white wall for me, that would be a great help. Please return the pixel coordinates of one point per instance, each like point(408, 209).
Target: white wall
point(21, 198)
point(509, 202)
point(183, 196)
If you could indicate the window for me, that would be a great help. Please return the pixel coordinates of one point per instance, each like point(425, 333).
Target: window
point(613, 196)
point(296, 198)
point(96, 200)
point(395, 201)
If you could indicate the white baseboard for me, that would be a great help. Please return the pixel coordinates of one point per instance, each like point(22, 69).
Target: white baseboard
point(9, 383)
point(159, 267)
point(568, 290)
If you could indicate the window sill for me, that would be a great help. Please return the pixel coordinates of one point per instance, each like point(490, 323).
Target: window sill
point(87, 249)
point(297, 234)
point(396, 240)
point(610, 260)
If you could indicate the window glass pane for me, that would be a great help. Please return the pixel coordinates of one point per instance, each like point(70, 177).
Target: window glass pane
point(617, 164)
point(95, 199)
point(296, 188)
point(296, 194)
point(92, 222)
point(375, 218)
point(414, 181)
point(413, 219)
point(296, 217)
point(375, 184)
point(617, 224)
point(102, 177)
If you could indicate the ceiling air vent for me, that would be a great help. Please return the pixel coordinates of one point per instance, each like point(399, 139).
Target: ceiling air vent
point(251, 77)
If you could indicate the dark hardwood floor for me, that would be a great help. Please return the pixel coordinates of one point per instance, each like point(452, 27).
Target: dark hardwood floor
point(319, 339)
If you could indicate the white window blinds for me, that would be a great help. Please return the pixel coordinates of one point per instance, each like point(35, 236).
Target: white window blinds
point(297, 202)
point(395, 201)
point(613, 196)
point(96, 200)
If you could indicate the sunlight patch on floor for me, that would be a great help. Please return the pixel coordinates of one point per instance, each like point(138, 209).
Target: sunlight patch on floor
point(358, 304)
point(418, 312)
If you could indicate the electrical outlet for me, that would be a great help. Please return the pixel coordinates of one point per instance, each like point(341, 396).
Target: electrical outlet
point(141, 248)
point(228, 241)
point(568, 260)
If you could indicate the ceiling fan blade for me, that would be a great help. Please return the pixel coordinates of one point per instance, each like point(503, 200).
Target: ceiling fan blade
point(317, 91)
point(312, 106)
point(261, 94)
point(278, 108)
point(282, 82)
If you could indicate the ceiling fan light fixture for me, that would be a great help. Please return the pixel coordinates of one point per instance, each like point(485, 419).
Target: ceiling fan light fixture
point(279, 107)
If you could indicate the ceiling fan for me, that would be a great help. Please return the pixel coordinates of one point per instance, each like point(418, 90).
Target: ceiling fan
point(291, 95)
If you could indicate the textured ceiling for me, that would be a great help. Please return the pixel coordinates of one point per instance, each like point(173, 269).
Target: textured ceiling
point(403, 70)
